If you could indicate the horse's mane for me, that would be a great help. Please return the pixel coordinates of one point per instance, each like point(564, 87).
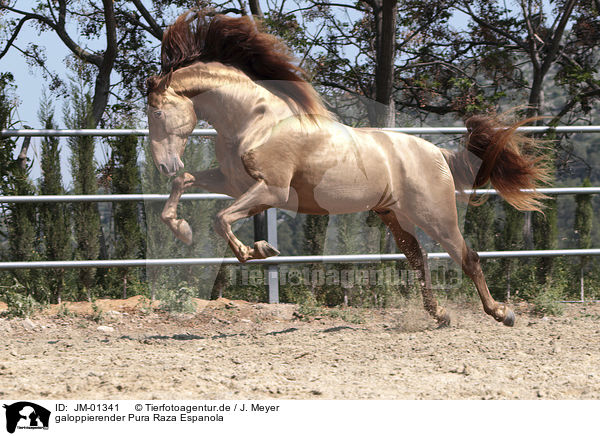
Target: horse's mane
point(196, 37)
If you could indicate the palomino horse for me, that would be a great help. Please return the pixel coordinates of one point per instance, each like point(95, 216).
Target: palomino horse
point(278, 146)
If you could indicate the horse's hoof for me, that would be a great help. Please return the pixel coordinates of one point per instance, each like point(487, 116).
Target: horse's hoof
point(509, 319)
point(184, 232)
point(264, 249)
point(443, 320)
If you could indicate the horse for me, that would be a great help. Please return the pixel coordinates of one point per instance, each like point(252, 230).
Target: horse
point(278, 146)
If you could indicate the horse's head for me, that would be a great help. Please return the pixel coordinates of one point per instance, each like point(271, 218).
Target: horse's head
point(171, 119)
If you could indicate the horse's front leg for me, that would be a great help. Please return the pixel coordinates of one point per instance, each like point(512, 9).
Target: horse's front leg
point(211, 180)
point(257, 199)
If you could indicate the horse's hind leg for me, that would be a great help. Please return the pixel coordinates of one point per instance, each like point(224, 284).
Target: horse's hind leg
point(453, 242)
point(408, 244)
point(257, 199)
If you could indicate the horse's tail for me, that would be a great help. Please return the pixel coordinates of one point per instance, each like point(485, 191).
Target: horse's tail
point(497, 153)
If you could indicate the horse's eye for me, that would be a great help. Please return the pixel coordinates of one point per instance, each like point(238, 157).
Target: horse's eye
point(158, 114)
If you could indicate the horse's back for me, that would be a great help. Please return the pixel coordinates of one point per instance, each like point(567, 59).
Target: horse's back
point(416, 163)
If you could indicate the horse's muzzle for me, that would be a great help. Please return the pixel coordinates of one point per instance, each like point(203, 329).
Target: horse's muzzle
point(171, 168)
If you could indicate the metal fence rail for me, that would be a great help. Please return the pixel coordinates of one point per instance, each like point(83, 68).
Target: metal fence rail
point(188, 197)
point(280, 260)
point(212, 132)
point(92, 198)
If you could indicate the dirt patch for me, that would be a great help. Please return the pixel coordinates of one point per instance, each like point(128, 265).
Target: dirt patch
point(238, 350)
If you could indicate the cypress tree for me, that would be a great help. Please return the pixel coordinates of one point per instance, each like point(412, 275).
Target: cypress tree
point(315, 232)
point(83, 169)
point(545, 226)
point(512, 239)
point(545, 237)
point(7, 144)
point(126, 180)
point(583, 228)
point(20, 217)
point(22, 237)
point(54, 218)
point(480, 233)
point(479, 226)
point(315, 228)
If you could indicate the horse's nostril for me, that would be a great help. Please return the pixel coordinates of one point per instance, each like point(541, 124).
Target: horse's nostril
point(163, 168)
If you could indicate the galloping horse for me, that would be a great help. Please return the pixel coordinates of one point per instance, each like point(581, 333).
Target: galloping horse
point(278, 146)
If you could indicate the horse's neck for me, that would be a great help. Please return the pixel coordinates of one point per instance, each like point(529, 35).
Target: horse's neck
point(238, 108)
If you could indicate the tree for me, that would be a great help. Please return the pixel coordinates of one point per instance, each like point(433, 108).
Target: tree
point(83, 168)
point(502, 49)
point(529, 32)
point(8, 145)
point(384, 18)
point(55, 228)
point(129, 31)
point(357, 49)
point(479, 225)
point(20, 218)
point(315, 233)
point(480, 234)
point(126, 180)
point(512, 239)
point(545, 237)
point(584, 214)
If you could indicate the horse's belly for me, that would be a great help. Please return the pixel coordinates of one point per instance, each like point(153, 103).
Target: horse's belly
point(338, 190)
point(346, 199)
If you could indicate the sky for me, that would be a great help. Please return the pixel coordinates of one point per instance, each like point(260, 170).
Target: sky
point(30, 85)
point(29, 81)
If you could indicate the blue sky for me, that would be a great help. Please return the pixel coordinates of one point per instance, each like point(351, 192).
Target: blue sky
point(30, 86)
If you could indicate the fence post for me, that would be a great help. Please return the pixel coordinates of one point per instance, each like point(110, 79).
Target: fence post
point(581, 282)
point(273, 269)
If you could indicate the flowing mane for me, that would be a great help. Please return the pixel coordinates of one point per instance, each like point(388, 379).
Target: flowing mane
point(196, 37)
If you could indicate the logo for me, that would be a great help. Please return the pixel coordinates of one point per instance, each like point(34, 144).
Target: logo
point(26, 415)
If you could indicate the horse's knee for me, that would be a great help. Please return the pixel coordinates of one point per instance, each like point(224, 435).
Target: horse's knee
point(166, 216)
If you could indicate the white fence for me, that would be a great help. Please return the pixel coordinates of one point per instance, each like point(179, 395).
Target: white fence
point(273, 279)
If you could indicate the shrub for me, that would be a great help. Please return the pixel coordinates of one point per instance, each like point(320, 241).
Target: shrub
point(20, 304)
point(547, 301)
point(178, 301)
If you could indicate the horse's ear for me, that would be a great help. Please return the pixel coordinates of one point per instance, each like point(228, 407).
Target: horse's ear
point(167, 79)
point(158, 84)
point(151, 84)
